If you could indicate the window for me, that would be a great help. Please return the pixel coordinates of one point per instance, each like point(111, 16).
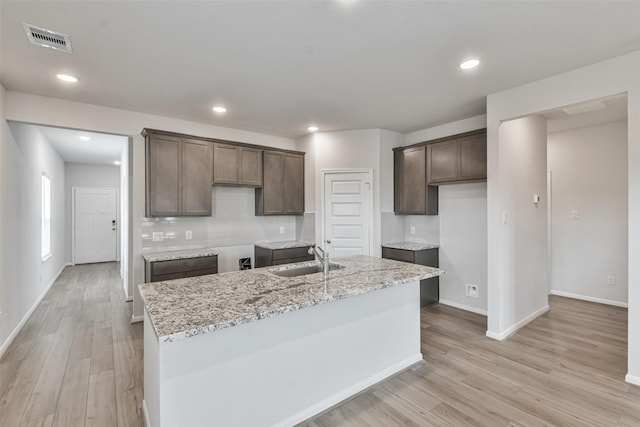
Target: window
point(46, 217)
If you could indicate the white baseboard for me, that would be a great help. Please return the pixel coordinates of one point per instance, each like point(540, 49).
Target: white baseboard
point(591, 299)
point(25, 318)
point(632, 379)
point(136, 319)
point(128, 299)
point(145, 414)
point(463, 307)
point(501, 336)
point(348, 392)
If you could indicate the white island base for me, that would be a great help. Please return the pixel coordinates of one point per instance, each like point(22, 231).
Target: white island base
point(284, 369)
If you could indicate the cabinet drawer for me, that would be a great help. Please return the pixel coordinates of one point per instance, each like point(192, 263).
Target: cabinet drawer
point(293, 260)
point(183, 274)
point(183, 265)
point(290, 253)
point(398, 255)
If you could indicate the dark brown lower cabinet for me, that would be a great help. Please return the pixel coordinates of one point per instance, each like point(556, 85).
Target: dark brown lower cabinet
point(156, 271)
point(429, 288)
point(266, 257)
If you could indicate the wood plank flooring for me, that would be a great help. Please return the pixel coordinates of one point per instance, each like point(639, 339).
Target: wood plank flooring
point(566, 368)
point(78, 362)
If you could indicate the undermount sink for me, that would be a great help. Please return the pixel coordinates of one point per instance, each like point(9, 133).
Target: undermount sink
point(303, 270)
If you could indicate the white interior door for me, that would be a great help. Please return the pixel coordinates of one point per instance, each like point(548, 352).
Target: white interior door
point(347, 208)
point(95, 225)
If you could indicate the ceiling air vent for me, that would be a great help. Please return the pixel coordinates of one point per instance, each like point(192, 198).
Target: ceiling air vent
point(47, 38)
point(585, 107)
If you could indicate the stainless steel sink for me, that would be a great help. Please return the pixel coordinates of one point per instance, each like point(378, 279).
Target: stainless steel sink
point(303, 270)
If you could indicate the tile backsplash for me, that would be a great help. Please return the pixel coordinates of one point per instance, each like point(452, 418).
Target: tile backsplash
point(233, 223)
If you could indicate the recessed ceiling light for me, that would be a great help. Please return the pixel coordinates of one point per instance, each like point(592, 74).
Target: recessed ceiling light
point(312, 128)
point(67, 78)
point(116, 162)
point(469, 63)
point(219, 109)
point(85, 138)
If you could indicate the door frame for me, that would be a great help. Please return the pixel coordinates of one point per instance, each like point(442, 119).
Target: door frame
point(73, 220)
point(331, 171)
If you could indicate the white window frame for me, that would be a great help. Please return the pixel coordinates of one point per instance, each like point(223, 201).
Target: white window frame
point(45, 217)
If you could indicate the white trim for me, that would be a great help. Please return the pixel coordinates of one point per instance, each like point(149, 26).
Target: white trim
point(510, 331)
point(137, 319)
point(330, 171)
point(5, 345)
point(145, 414)
point(463, 307)
point(632, 379)
point(590, 299)
point(349, 392)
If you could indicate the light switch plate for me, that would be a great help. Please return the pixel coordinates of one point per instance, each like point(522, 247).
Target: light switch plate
point(575, 214)
point(157, 236)
point(282, 229)
point(412, 230)
point(188, 235)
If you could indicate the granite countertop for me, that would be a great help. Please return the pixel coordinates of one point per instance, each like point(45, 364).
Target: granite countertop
point(288, 244)
point(178, 254)
point(184, 308)
point(411, 246)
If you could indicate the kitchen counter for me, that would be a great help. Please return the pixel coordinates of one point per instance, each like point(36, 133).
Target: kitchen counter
point(287, 244)
point(411, 246)
point(184, 308)
point(178, 254)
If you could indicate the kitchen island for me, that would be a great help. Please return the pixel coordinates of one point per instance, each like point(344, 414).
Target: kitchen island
point(252, 348)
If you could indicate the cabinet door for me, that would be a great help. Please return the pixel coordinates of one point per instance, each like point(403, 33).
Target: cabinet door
point(250, 167)
point(410, 181)
point(293, 184)
point(226, 164)
point(273, 184)
point(196, 178)
point(163, 169)
point(443, 161)
point(473, 157)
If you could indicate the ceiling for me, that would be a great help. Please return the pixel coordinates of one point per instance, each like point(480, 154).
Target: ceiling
point(615, 108)
point(101, 149)
point(279, 66)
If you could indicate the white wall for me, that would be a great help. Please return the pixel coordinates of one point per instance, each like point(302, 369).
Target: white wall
point(56, 112)
point(614, 76)
point(87, 176)
point(589, 174)
point(25, 278)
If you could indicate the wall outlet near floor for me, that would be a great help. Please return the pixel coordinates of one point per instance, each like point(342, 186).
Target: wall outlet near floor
point(611, 280)
point(412, 230)
point(282, 229)
point(472, 290)
point(188, 235)
point(157, 236)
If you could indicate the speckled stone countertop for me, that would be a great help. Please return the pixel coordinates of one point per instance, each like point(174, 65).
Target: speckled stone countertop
point(184, 308)
point(180, 254)
point(411, 246)
point(284, 245)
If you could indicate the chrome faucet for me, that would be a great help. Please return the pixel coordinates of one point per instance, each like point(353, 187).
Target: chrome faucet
point(322, 255)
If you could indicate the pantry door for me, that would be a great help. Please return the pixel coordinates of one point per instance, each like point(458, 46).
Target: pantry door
point(95, 225)
point(347, 212)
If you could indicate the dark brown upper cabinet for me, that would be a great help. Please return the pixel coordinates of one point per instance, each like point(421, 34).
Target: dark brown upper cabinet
point(412, 195)
point(237, 165)
point(178, 176)
point(458, 159)
point(282, 191)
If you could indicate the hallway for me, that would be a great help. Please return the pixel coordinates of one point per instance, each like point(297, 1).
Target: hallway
point(78, 360)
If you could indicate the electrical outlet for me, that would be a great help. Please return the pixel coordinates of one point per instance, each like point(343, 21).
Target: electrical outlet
point(472, 290)
point(188, 235)
point(412, 230)
point(611, 280)
point(157, 236)
point(575, 214)
point(282, 229)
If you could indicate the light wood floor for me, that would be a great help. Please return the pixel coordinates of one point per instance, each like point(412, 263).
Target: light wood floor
point(78, 362)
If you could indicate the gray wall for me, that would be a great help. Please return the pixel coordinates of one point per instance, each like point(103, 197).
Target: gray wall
point(24, 277)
